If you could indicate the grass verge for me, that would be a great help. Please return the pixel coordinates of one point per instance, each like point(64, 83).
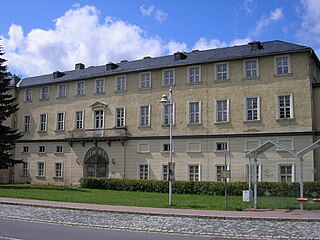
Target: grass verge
point(143, 199)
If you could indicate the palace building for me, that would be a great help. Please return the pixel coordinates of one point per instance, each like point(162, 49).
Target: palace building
point(107, 121)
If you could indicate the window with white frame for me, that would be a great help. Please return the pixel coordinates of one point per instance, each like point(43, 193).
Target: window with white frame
point(222, 146)
point(251, 68)
point(121, 83)
point(80, 89)
point(165, 147)
point(222, 71)
point(79, 120)
point(120, 117)
point(259, 172)
point(26, 123)
point(194, 75)
point(222, 110)
point(286, 173)
point(252, 108)
point(58, 169)
point(62, 90)
point(28, 95)
point(143, 172)
point(219, 169)
point(44, 93)
point(25, 149)
point(165, 171)
point(98, 119)
point(25, 169)
point(99, 86)
point(43, 123)
point(41, 169)
point(167, 109)
point(194, 112)
point(58, 149)
point(285, 109)
point(194, 172)
point(145, 80)
point(41, 149)
point(168, 77)
point(144, 117)
point(282, 65)
point(60, 121)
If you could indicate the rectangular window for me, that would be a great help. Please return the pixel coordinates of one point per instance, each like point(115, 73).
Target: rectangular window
point(60, 121)
point(40, 169)
point(222, 146)
point(41, 149)
point(251, 68)
point(28, 95)
point(25, 169)
point(44, 93)
point(100, 86)
point(194, 112)
point(194, 74)
point(165, 172)
point(79, 120)
point(58, 149)
point(62, 90)
point(222, 108)
point(98, 119)
point(168, 77)
point(80, 89)
point(145, 80)
point(165, 147)
point(26, 123)
point(121, 83)
point(25, 149)
point(286, 173)
point(58, 169)
point(144, 116)
point(43, 123)
point(222, 71)
point(143, 172)
point(285, 107)
point(194, 173)
point(219, 168)
point(120, 117)
point(167, 114)
point(253, 111)
point(282, 65)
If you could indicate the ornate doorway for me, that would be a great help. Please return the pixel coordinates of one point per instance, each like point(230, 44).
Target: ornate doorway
point(96, 163)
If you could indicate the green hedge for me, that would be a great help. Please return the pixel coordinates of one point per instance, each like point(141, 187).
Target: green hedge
point(278, 189)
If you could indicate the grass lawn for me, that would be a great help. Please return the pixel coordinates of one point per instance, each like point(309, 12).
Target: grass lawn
point(144, 199)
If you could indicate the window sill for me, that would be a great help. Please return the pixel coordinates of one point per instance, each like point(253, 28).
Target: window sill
point(168, 85)
point(284, 119)
point(120, 91)
point(40, 176)
point(58, 130)
point(222, 80)
point(251, 78)
point(194, 83)
point(222, 123)
point(144, 126)
point(42, 131)
point(194, 124)
point(27, 101)
point(283, 75)
point(252, 121)
point(57, 177)
point(144, 88)
point(102, 93)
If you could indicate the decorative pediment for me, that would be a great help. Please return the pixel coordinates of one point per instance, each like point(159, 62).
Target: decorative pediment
point(98, 104)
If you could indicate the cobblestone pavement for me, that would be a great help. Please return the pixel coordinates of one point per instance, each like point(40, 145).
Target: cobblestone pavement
point(231, 228)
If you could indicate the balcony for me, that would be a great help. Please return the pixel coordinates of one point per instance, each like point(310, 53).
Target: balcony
point(96, 135)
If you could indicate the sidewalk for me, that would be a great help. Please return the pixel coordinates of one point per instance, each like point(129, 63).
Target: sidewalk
point(262, 214)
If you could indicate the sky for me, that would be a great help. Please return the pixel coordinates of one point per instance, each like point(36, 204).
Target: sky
point(40, 37)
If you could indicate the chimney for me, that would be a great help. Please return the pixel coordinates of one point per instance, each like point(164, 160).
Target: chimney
point(57, 74)
point(111, 66)
point(256, 45)
point(79, 66)
point(179, 56)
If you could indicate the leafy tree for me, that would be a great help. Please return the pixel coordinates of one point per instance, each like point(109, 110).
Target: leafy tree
point(8, 136)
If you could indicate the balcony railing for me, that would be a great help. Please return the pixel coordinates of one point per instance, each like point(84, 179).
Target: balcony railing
point(98, 133)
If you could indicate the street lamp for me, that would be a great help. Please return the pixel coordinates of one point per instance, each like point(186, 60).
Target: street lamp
point(169, 100)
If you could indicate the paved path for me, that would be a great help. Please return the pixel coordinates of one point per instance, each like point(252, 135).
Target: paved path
point(277, 224)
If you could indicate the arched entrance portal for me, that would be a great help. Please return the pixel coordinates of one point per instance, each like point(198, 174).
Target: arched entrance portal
point(96, 163)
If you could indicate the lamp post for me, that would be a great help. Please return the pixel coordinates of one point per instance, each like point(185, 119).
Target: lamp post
point(169, 100)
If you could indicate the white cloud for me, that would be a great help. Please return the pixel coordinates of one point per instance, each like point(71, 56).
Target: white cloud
point(156, 14)
point(310, 26)
point(173, 47)
point(203, 44)
point(274, 16)
point(240, 41)
point(248, 6)
point(78, 36)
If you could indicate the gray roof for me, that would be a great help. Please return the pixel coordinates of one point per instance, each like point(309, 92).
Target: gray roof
point(194, 57)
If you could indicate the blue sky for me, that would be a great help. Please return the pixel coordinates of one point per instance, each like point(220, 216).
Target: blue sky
point(44, 36)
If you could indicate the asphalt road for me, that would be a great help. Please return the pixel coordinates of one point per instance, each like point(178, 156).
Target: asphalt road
point(21, 230)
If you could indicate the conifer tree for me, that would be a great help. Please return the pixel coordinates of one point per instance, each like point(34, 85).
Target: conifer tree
point(8, 136)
